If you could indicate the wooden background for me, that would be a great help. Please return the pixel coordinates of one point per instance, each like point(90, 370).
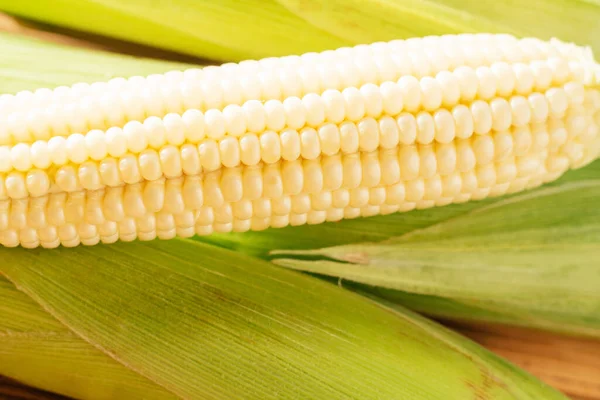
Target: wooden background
point(572, 365)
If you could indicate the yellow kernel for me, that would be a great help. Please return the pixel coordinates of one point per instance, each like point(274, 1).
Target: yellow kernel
point(409, 162)
point(270, 145)
point(368, 134)
point(407, 126)
point(425, 128)
point(209, 154)
point(415, 190)
point(153, 195)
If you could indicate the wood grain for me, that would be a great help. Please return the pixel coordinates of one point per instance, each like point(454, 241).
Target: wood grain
point(571, 365)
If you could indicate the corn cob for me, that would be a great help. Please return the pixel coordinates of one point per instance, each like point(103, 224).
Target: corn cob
point(353, 132)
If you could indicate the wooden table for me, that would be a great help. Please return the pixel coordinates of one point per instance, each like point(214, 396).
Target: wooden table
point(569, 364)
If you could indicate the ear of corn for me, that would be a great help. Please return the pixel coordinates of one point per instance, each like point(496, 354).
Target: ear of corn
point(40, 351)
point(296, 140)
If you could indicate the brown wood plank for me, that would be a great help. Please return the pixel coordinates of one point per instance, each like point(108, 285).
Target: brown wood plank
point(569, 364)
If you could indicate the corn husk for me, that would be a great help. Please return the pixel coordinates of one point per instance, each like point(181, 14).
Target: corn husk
point(201, 322)
point(529, 259)
point(181, 319)
point(35, 348)
point(233, 30)
point(29, 64)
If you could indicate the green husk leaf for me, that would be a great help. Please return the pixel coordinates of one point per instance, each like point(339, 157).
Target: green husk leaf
point(469, 347)
point(28, 64)
point(234, 30)
point(354, 20)
point(445, 308)
point(449, 309)
point(222, 30)
point(205, 322)
point(534, 255)
point(37, 349)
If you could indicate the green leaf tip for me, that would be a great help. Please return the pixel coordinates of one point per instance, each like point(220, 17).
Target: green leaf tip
point(534, 253)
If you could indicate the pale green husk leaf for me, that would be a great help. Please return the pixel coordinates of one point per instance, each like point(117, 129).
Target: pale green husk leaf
point(37, 349)
point(204, 322)
point(234, 29)
point(534, 255)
